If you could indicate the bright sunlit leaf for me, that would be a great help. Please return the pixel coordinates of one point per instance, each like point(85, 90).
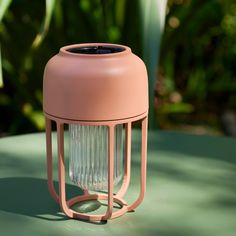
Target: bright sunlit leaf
point(50, 5)
point(176, 108)
point(36, 117)
point(4, 4)
point(1, 77)
point(153, 18)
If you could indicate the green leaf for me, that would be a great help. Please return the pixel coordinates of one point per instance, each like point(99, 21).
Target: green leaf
point(4, 4)
point(36, 117)
point(1, 77)
point(176, 108)
point(152, 20)
point(120, 12)
point(50, 6)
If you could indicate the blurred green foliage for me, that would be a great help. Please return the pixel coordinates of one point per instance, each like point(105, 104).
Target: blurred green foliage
point(23, 61)
point(66, 22)
point(196, 79)
point(197, 76)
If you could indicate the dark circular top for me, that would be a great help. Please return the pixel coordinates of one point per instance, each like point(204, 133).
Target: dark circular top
point(96, 49)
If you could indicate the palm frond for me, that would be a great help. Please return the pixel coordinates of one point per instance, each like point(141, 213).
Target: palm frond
point(4, 5)
point(50, 6)
point(153, 18)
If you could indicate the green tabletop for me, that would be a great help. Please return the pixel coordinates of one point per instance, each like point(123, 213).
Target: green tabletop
point(191, 189)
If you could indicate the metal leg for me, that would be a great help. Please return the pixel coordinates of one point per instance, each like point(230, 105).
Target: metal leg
point(51, 188)
point(143, 166)
point(127, 161)
point(61, 170)
point(110, 171)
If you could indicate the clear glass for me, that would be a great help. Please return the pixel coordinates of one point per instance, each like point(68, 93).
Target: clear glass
point(88, 161)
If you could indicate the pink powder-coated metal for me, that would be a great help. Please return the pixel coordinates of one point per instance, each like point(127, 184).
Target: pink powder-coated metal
point(104, 89)
point(87, 87)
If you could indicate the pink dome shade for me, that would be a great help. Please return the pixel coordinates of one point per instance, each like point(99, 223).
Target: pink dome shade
point(95, 82)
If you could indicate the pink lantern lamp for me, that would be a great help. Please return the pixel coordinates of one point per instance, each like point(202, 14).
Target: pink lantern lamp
point(99, 90)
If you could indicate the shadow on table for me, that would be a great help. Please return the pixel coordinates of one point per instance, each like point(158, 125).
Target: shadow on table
point(211, 147)
point(203, 164)
point(30, 197)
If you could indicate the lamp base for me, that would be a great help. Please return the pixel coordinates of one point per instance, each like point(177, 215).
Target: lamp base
point(122, 203)
point(110, 197)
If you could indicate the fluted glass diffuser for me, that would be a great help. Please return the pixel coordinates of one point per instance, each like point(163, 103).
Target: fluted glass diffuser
point(99, 90)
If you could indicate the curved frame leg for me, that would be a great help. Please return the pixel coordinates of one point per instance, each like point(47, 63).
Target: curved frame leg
point(127, 161)
point(61, 170)
point(51, 188)
point(110, 171)
point(143, 166)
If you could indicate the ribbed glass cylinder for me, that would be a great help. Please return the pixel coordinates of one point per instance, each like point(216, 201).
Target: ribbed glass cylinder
point(88, 161)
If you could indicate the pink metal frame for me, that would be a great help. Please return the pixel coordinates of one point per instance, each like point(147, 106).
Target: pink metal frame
point(60, 197)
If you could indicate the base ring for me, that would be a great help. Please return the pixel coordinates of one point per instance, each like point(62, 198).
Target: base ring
point(91, 217)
